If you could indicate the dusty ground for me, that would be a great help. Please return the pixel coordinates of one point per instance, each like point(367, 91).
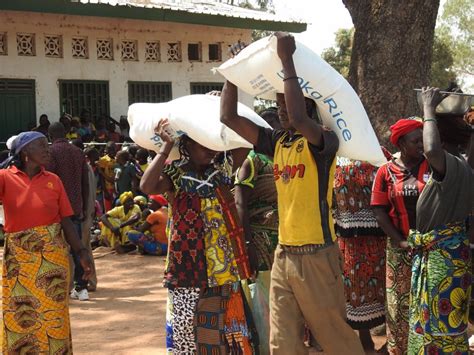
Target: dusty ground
point(126, 315)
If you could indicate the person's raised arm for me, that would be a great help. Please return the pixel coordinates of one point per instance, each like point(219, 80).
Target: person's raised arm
point(230, 117)
point(294, 99)
point(432, 147)
point(152, 181)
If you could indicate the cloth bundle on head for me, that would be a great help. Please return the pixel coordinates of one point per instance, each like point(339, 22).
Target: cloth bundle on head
point(140, 200)
point(403, 127)
point(125, 196)
point(159, 199)
point(18, 143)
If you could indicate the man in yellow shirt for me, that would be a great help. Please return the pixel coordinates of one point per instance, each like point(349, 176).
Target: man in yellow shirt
point(306, 278)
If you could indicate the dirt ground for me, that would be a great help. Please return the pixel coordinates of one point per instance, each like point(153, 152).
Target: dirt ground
point(126, 315)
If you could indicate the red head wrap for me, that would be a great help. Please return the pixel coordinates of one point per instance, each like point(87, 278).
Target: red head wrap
point(403, 127)
point(159, 199)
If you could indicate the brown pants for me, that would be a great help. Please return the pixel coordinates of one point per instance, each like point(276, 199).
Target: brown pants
point(309, 288)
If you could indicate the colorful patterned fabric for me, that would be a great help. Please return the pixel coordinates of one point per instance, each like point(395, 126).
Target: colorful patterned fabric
point(362, 244)
point(221, 263)
point(364, 280)
point(35, 293)
point(262, 207)
point(180, 310)
point(236, 330)
point(186, 262)
point(204, 216)
point(440, 290)
point(209, 320)
point(398, 299)
point(352, 214)
point(235, 230)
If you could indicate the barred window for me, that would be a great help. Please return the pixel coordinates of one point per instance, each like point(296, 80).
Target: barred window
point(149, 91)
point(204, 88)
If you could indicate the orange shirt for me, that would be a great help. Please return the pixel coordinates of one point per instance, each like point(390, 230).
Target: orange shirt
point(31, 203)
point(158, 220)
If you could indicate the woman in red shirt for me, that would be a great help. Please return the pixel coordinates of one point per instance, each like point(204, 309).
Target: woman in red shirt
point(396, 189)
point(36, 276)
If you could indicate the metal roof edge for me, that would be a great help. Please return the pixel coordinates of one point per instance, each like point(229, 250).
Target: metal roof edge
point(148, 14)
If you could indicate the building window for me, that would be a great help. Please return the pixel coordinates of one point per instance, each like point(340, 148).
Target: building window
point(204, 88)
point(194, 52)
point(80, 48)
point(174, 52)
point(129, 50)
point(215, 52)
point(3, 43)
point(144, 91)
point(105, 49)
point(77, 96)
point(152, 51)
point(25, 44)
point(53, 46)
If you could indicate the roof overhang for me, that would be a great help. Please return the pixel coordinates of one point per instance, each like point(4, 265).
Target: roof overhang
point(148, 14)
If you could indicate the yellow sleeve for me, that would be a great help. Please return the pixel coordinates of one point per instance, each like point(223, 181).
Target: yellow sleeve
point(116, 212)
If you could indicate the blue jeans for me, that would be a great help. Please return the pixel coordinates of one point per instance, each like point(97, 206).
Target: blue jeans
point(79, 283)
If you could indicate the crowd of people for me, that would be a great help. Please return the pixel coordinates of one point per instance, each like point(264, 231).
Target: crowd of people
point(271, 250)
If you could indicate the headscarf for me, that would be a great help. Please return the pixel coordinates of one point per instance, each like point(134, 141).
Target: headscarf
point(10, 142)
point(140, 200)
point(125, 196)
point(159, 199)
point(403, 127)
point(18, 143)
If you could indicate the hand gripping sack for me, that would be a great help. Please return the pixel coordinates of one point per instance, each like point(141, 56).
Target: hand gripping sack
point(257, 70)
point(197, 116)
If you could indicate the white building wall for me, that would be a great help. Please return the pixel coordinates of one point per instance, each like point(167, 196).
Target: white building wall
point(47, 71)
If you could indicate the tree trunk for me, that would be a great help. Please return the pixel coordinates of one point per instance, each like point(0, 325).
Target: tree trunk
point(391, 55)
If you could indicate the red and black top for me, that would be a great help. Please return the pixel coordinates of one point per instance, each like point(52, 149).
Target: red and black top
point(398, 189)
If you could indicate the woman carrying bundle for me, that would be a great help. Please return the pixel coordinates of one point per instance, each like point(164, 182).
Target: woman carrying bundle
point(206, 254)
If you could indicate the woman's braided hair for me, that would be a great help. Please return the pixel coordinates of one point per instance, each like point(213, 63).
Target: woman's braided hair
point(183, 152)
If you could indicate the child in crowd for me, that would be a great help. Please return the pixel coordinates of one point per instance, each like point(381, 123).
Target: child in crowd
point(106, 166)
point(207, 255)
point(124, 174)
point(142, 161)
point(151, 237)
point(118, 221)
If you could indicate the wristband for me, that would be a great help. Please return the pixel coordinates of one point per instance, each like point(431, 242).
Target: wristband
point(430, 119)
point(290, 78)
point(163, 153)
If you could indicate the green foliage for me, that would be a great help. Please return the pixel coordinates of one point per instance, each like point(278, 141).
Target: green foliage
point(442, 71)
point(456, 27)
point(442, 68)
point(339, 57)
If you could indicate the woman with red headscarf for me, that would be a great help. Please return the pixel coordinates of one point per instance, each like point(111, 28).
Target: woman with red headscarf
point(395, 192)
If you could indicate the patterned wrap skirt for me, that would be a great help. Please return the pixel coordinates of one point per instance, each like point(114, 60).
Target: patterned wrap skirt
point(398, 299)
point(440, 291)
point(35, 296)
point(364, 280)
